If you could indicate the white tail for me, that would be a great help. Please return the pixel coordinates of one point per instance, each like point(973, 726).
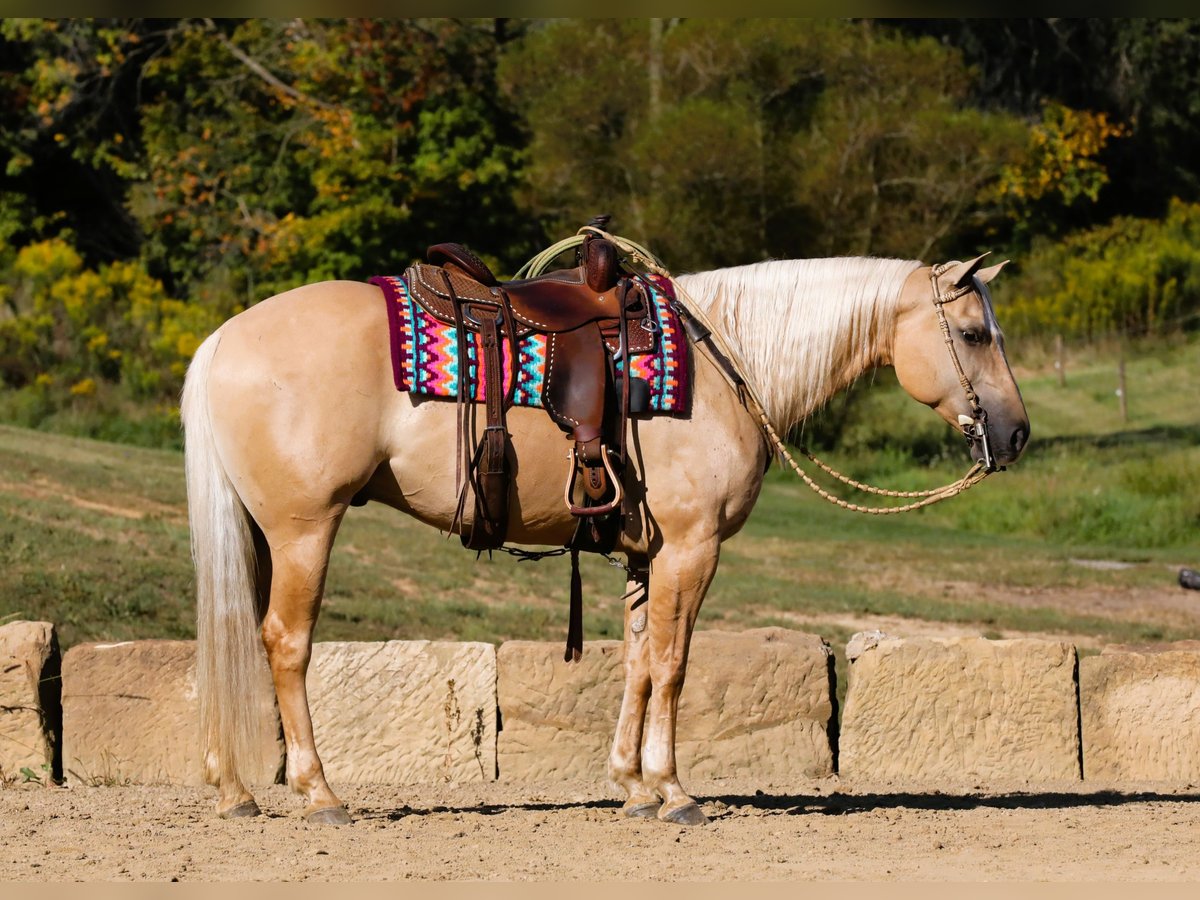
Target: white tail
point(229, 650)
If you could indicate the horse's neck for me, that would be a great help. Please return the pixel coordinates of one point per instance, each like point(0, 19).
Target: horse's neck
point(802, 330)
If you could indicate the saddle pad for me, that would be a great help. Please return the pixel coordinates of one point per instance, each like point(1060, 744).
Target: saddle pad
point(425, 353)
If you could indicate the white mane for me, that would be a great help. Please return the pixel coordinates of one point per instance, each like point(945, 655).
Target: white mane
point(801, 330)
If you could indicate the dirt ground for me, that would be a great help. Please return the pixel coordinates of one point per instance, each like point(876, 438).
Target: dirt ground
point(573, 831)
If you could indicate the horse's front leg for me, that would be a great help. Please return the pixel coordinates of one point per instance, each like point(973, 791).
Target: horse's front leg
point(680, 579)
point(625, 760)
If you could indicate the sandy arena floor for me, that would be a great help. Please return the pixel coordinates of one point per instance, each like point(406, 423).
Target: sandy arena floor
point(823, 830)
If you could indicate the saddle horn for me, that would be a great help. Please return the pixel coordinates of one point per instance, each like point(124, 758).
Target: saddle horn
point(600, 264)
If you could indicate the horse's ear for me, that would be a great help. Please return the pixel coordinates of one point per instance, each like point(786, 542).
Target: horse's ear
point(986, 275)
point(960, 272)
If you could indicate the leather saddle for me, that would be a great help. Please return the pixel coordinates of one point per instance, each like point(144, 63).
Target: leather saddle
point(591, 315)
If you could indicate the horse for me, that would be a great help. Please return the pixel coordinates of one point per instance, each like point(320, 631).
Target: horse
point(290, 413)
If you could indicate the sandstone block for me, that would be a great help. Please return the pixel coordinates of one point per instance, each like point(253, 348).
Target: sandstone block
point(556, 718)
point(30, 710)
point(130, 714)
point(961, 708)
point(754, 702)
point(404, 711)
point(1140, 711)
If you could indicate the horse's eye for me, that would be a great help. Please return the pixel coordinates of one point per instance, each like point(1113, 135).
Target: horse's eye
point(975, 336)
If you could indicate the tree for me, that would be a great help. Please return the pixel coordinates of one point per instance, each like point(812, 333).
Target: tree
point(286, 152)
point(1141, 73)
point(775, 138)
point(70, 135)
point(895, 158)
point(1059, 177)
point(219, 162)
point(1129, 277)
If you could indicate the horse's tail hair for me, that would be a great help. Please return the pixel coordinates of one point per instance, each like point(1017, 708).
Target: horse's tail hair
point(229, 651)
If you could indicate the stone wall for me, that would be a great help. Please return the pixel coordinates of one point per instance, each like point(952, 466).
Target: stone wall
point(130, 714)
point(404, 711)
point(754, 701)
point(30, 710)
point(1140, 713)
point(759, 702)
point(955, 708)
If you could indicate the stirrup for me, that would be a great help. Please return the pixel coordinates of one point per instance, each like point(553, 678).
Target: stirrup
point(569, 490)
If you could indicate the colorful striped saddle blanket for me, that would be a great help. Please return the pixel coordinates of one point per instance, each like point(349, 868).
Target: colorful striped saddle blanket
point(425, 353)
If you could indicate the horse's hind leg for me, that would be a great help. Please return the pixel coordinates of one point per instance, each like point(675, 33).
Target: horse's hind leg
point(299, 562)
point(234, 800)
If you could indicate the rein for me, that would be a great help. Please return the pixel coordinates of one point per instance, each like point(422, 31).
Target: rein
point(701, 330)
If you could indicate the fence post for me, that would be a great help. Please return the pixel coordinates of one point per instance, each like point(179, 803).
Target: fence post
point(1121, 392)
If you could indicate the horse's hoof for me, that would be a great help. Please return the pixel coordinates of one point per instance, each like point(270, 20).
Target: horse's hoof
point(689, 814)
point(328, 815)
point(243, 810)
point(646, 809)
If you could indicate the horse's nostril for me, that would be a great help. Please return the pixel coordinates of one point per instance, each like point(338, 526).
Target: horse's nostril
point(1019, 436)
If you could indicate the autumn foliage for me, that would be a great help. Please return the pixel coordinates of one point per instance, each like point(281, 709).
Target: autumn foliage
point(159, 175)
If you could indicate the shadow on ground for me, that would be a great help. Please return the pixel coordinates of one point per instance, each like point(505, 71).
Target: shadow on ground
point(836, 804)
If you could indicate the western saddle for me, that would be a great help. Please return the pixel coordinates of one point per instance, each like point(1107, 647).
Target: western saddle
point(592, 315)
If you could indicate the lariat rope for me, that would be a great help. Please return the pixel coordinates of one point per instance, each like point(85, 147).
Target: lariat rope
point(745, 390)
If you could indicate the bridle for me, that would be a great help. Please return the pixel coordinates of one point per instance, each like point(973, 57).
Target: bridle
point(975, 426)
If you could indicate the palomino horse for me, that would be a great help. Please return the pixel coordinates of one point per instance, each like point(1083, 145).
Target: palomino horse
point(290, 412)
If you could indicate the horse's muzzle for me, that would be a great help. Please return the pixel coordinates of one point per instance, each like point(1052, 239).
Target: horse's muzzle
point(1006, 442)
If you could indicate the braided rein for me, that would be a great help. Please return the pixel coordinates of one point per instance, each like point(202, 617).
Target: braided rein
point(974, 475)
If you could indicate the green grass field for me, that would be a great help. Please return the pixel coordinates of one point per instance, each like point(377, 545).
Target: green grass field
point(93, 536)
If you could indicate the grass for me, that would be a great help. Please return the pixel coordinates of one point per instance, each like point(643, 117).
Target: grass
point(109, 415)
point(93, 536)
point(1088, 481)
